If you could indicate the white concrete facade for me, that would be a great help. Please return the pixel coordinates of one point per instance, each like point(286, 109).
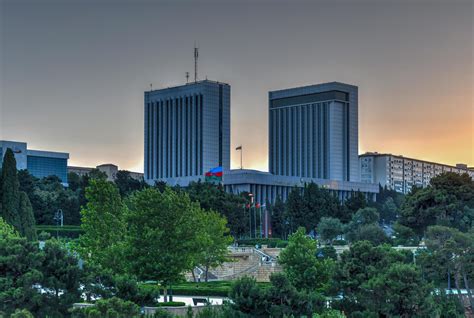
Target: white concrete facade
point(266, 187)
point(401, 173)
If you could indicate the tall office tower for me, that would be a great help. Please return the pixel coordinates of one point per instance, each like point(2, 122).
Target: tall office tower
point(313, 132)
point(187, 131)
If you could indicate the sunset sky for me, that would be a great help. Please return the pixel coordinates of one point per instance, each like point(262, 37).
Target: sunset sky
point(72, 73)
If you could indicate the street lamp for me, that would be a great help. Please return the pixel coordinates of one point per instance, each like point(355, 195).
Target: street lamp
point(250, 195)
point(59, 218)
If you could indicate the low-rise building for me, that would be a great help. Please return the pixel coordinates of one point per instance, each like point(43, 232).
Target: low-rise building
point(108, 168)
point(266, 187)
point(38, 163)
point(401, 173)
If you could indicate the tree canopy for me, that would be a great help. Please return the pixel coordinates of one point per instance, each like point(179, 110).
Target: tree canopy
point(15, 205)
point(161, 236)
point(448, 201)
point(103, 222)
point(301, 265)
point(231, 206)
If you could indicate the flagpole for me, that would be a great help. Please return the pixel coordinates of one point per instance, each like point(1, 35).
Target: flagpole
point(241, 166)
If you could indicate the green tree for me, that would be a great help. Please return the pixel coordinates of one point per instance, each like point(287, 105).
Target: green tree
point(162, 234)
point(294, 209)
point(329, 228)
point(74, 181)
point(27, 218)
point(247, 297)
point(454, 251)
point(365, 216)
point(97, 174)
point(21, 313)
point(278, 218)
point(317, 203)
point(231, 206)
point(448, 306)
point(16, 207)
point(10, 191)
point(364, 226)
point(330, 313)
point(354, 203)
point(47, 195)
point(404, 235)
point(448, 201)
point(368, 232)
point(305, 207)
point(301, 265)
point(361, 263)
point(399, 291)
point(111, 307)
point(281, 299)
point(19, 262)
point(389, 211)
point(212, 242)
point(126, 184)
point(103, 222)
point(388, 202)
point(61, 279)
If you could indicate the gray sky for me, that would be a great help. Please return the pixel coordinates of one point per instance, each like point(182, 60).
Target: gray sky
point(73, 72)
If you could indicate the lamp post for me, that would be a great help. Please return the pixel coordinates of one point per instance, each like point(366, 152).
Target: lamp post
point(250, 213)
point(59, 218)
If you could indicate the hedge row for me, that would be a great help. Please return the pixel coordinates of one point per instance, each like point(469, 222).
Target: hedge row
point(67, 231)
point(172, 304)
point(218, 288)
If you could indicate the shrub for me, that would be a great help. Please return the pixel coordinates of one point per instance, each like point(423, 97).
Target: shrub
point(172, 304)
point(161, 313)
point(21, 313)
point(326, 252)
point(111, 307)
point(339, 242)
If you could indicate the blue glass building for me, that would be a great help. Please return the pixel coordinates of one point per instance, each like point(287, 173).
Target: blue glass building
point(39, 163)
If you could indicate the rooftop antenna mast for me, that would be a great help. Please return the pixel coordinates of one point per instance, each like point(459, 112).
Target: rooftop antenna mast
point(196, 55)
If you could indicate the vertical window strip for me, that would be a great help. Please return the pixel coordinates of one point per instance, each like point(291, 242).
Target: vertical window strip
point(221, 118)
point(201, 134)
point(186, 144)
point(196, 131)
point(348, 144)
point(147, 137)
point(176, 137)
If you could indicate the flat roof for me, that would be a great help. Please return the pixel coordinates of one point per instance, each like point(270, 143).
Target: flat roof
point(49, 154)
point(321, 87)
point(206, 81)
point(245, 176)
point(376, 154)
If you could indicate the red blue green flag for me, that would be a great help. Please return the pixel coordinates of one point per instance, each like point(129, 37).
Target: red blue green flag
point(214, 175)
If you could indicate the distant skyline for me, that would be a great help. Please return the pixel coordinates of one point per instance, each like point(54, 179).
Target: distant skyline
point(73, 73)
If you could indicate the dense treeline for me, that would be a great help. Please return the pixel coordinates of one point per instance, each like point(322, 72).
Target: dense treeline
point(132, 232)
point(323, 215)
point(129, 235)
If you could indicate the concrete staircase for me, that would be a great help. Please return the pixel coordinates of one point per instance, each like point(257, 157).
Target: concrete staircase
point(244, 261)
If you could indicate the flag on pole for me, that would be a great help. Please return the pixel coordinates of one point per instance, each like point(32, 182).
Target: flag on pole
point(214, 175)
